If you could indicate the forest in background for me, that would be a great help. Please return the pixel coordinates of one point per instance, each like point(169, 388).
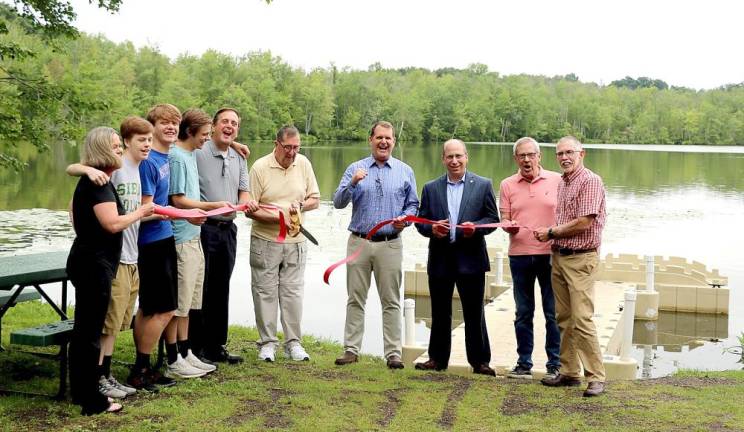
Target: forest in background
point(55, 88)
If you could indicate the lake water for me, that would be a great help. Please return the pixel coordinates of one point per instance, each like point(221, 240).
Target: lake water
point(661, 200)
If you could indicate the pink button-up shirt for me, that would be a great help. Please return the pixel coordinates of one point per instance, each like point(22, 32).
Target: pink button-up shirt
point(581, 194)
point(531, 204)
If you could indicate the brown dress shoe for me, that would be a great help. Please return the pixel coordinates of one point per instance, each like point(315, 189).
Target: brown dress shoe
point(348, 358)
point(393, 362)
point(560, 381)
point(595, 388)
point(430, 365)
point(484, 369)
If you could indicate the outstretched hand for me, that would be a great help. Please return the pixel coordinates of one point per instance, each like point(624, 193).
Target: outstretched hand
point(399, 223)
point(440, 229)
point(468, 230)
point(513, 229)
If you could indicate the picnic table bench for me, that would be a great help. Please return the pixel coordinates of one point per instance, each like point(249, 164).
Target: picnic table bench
point(21, 279)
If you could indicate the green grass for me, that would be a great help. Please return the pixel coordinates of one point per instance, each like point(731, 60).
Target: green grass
point(318, 396)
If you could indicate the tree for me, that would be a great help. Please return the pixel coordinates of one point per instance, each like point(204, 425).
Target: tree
point(29, 99)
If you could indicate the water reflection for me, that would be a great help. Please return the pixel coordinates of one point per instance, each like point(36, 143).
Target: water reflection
point(681, 204)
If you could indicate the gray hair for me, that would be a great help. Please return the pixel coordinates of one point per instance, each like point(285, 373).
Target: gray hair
point(286, 131)
point(454, 140)
point(573, 140)
point(525, 140)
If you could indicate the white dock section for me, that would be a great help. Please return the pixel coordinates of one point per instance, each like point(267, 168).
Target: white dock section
point(500, 323)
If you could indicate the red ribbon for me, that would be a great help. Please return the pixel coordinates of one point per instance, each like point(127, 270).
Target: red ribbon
point(414, 219)
point(177, 213)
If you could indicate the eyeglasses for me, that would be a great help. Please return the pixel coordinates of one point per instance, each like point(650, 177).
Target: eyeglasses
point(568, 153)
point(224, 166)
point(526, 156)
point(288, 148)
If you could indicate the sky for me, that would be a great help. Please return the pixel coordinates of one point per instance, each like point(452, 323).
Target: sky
point(696, 44)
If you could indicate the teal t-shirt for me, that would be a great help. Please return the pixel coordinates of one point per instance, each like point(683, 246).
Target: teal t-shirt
point(184, 180)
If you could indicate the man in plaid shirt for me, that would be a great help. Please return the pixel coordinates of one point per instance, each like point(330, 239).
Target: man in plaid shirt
point(577, 235)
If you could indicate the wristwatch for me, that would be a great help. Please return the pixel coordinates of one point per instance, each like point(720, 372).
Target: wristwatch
point(550, 233)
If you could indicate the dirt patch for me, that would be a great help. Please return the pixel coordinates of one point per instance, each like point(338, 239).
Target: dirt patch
point(449, 416)
point(292, 366)
point(436, 377)
point(39, 419)
point(689, 382)
point(330, 374)
point(719, 427)
point(272, 411)
point(515, 403)
point(389, 408)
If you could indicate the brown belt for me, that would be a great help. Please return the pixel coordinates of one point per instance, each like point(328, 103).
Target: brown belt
point(566, 251)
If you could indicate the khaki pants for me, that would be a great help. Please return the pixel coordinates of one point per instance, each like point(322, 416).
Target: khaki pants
point(190, 276)
point(124, 289)
point(277, 282)
point(573, 285)
point(384, 260)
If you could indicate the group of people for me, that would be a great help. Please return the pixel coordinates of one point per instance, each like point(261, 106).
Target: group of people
point(179, 269)
point(554, 223)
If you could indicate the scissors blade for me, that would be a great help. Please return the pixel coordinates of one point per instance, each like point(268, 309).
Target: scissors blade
point(308, 235)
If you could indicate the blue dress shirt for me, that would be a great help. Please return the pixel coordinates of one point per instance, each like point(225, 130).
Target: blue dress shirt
point(387, 192)
point(454, 197)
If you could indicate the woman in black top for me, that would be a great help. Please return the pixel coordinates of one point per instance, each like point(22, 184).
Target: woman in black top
point(98, 219)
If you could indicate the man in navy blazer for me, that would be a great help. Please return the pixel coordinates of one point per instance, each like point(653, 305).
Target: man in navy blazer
point(457, 257)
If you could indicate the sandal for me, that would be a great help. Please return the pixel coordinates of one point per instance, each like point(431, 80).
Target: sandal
point(114, 408)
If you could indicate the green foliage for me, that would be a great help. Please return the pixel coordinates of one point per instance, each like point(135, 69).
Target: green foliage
point(55, 89)
point(641, 82)
point(34, 108)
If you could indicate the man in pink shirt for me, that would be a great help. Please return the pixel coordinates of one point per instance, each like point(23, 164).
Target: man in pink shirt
point(529, 198)
point(576, 235)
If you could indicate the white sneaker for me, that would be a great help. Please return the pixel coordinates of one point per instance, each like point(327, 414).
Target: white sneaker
point(296, 352)
point(267, 353)
point(181, 369)
point(106, 389)
point(195, 362)
point(125, 388)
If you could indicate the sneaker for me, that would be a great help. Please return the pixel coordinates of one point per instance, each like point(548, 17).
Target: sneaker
point(141, 380)
point(520, 371)
point(126, 389)
point(221, 355)
point(195, 362)
point(267, 353)
point(106, 389)
point(159, 379)
point(296, 352)
point(182, 369)
point(551, 373)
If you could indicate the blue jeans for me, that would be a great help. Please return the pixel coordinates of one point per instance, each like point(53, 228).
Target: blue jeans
point(525, 269)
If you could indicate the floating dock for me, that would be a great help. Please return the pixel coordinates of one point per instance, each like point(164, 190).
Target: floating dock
point(622, 284)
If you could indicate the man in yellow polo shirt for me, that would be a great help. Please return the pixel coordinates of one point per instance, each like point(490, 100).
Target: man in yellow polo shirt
point(283, 178)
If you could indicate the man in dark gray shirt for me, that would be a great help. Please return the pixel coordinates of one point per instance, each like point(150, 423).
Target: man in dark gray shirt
point(223, 176)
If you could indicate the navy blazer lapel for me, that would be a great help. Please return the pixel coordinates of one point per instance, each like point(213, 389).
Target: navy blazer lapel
point(468, 186)
point(442, 196)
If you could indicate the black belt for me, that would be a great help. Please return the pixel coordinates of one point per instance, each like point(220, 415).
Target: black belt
point(218, 223)
point(566, 251)
point(378, 237)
